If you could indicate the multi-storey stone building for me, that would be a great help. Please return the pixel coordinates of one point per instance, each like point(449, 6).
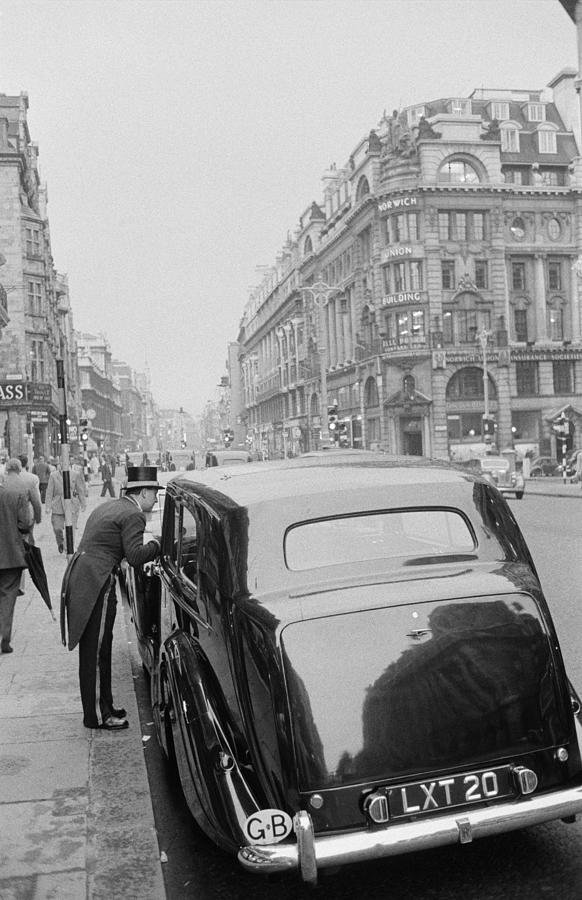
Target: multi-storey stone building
point(101, 393)
point(35, 316)
point(439, 281)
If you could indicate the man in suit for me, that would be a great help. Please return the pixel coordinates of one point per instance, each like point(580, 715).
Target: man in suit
point(43, 470)
point(55, 501)
point(33, 488)
point(15, 520)
point(114, 531)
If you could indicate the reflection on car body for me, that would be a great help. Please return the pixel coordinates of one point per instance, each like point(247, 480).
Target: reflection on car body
point(328, 701)
point(226, 458)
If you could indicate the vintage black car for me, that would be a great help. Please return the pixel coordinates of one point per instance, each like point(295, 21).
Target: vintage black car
point(351, 657)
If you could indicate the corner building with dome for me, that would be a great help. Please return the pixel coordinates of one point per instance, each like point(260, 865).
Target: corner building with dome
point(436, 284)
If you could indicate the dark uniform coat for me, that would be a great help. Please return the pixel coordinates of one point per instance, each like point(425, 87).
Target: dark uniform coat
point(114, 531)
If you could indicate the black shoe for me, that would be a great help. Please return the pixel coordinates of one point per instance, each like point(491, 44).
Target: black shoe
point(6, 648)
point(112, 723)
point(118, 713)
point(61, 548)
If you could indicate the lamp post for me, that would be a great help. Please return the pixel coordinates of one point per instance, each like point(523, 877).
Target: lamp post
point(320, 293)
point(483, 338)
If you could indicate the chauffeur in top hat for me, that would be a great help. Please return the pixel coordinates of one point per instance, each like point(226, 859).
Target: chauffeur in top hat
point(114, 531)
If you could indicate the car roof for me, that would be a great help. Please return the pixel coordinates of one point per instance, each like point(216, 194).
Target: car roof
point(254, 506)
point(327, 473)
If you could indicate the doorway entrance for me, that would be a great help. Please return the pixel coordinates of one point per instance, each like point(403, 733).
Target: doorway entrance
point(411, 436)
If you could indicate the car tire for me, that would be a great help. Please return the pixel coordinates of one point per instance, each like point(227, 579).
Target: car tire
point(519, 495)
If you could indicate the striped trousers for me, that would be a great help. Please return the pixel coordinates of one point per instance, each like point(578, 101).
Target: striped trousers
point(95, 658)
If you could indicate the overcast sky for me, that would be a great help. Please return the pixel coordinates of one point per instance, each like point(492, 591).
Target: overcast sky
point(181, 141)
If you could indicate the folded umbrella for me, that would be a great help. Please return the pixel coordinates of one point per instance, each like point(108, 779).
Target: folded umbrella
point(36, 568)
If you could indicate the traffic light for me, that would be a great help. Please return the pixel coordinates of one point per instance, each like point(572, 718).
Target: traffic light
point(183, 443)
point(488, 429)
point(228, 436)
point(332, 422)
point(84, 424)
point(343, 436)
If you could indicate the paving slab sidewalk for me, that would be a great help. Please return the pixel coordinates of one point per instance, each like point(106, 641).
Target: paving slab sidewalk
point(76, 818)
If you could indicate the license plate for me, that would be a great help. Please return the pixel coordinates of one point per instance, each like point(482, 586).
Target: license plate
point(420, 797)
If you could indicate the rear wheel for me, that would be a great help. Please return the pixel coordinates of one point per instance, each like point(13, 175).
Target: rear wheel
point(536, 473)
point(518, 495)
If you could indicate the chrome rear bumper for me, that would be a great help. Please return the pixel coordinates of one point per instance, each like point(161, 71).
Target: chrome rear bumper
point(311, 852)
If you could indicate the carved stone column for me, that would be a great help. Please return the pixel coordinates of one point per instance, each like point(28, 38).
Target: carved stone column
point(574, 300)
point(540, 298)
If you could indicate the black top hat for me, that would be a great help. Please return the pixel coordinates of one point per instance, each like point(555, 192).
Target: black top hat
point(142, 477)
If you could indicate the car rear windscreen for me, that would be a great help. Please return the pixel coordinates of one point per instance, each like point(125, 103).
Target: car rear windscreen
point(378, 535)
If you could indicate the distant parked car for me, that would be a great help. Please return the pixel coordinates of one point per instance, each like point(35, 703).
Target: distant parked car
point(544, 465)
point(502, 473)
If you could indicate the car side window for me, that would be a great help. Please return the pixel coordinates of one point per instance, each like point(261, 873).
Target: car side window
point(187, 553)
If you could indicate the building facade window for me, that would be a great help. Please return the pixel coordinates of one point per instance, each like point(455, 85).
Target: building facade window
point(554, 177)
point(405, 327)
point(520, 324)
point(481, 274)
point(500, 111)
point(555, 323)
point(32, 242)
point(448, 274)
point(414, 115)
point(402, 227)
point(536, 112)
point(467, 384)
point(461, 326)
point(547, 141)
point(461, 107)
point(509, 140)
point(526, 378)
point(457, 171)
point(554, 275)
point(516, 174)
point(462, 226)
point(37, 369)
point(403, 276)
point(518, 276)
point(563, 377)
point(366, 246)
point(34, 292)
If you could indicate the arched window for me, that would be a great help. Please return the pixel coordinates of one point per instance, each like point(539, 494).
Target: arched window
point(467, 384)
point(363, 188)
point(314, 405)
point(371, 393)
point(458, 171)
point(307, 246)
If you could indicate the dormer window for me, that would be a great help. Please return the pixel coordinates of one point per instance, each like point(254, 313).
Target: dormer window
point(547, 141)
point(414, 115)
point(536, 112)
point(500, 111)
point(461, 107)
point(509, 139)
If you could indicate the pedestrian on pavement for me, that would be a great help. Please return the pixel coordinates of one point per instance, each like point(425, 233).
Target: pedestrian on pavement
point(43, 470)
point(107, 478)
point(114, 531)
point(55, 501)
point(15, 522)
point(31, 484)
